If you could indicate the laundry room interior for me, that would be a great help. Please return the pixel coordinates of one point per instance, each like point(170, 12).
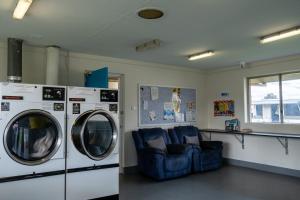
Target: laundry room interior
point(144, 100)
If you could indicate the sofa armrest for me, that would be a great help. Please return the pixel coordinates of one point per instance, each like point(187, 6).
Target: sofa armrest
point(178, 148)
point(211, 144)
point(137, 140)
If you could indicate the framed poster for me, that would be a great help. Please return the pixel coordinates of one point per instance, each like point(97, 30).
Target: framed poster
point(224, 108)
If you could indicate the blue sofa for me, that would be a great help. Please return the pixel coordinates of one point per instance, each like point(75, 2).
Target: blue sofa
point(206, 156)
point(158, 164)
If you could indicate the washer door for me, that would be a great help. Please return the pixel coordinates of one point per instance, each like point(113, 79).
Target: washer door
point(94, 134)
point(32, 137)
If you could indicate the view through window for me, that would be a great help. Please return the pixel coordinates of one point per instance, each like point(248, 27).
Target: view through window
point(275, 99)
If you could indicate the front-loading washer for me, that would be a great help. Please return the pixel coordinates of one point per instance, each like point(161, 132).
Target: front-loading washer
point(32, 146)
point(92, 144)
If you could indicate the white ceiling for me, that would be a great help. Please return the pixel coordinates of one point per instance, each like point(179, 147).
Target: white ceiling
point(111, 28)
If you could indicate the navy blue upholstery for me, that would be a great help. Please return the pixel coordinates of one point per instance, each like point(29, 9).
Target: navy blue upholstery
point(158, 164)
point(206, 156)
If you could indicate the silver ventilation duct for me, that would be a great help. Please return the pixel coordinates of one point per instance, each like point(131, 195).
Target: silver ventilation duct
point(14, 60)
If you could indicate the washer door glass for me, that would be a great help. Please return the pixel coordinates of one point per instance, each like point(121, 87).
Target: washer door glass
point(97, 135)
point(32, 137)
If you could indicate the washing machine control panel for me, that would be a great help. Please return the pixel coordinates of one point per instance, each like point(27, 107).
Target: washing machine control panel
point(53, 94)
point(109, 95)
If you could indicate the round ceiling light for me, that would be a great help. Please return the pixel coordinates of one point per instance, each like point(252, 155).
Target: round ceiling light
point(150, 13)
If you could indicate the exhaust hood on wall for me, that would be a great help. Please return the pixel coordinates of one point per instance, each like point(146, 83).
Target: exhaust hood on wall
point(14, 60)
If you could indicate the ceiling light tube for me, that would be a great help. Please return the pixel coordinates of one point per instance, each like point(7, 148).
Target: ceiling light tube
point(21, 8)
point(280, 35)
point(201, 55)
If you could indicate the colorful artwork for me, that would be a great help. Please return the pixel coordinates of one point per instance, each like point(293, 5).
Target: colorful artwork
point(176, 100)
point(168, 111)
point(224, 108)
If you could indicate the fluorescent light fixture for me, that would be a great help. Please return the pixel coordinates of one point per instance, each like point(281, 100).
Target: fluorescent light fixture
point(201, 55)
point(280, 35)
point(148, 45)
point(21, 8)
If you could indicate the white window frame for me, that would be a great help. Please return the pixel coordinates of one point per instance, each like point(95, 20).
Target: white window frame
point(281, 119)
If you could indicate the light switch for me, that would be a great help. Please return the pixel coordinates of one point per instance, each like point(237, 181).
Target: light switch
point(133, 108)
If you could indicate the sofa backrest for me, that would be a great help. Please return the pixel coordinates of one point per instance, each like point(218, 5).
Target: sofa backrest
point(143, 135)
point(177, 133)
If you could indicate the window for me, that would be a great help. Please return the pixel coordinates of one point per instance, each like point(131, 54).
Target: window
point(274, 99)
point(113, 83)
point(291, 97)
point(259, 113)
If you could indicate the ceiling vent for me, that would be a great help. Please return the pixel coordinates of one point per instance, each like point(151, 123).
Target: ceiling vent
point(150, 13)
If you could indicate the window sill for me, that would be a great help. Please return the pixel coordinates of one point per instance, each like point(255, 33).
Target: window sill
point(269, 123)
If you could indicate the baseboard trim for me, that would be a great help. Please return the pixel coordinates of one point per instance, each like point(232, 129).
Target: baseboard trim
point(241, 163)
point(131, 170)
point(112, 197)
point(263, 167)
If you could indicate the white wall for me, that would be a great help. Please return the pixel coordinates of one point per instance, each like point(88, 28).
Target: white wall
point(134, 74)
point(72, 68)
point(258, 149)
point(209, 86)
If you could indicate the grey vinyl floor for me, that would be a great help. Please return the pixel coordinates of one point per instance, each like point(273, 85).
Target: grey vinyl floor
point(228, 183)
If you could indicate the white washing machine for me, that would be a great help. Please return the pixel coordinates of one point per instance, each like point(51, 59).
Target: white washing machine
point(92, 144)
point(32, 142)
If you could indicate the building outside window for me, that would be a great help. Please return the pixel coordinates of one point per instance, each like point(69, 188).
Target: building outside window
point(274, 99)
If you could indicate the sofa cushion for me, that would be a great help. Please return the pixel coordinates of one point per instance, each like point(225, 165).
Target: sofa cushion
point(182, 131)
point(191, 140)
point(157, 143)
point(153, 133)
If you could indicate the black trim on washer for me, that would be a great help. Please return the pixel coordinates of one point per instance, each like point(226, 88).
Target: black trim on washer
point(92, 168)
point(31, 176)
point(112, 197)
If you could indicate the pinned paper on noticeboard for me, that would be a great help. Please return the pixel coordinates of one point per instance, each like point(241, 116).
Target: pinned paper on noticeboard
point(154, 93)
point(168, 111)
point(179, 117)
point(190, 116)
point(146, 105)
point(224, 108)
point(152, 115)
